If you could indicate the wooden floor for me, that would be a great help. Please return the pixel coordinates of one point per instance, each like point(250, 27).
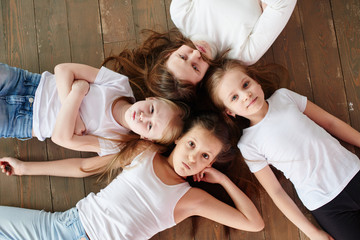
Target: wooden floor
point(320, 46)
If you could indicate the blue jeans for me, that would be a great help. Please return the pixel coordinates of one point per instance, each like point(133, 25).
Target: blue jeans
point(21, 224)
point(17, 93)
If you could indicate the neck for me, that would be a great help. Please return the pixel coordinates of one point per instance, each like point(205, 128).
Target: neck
point(256, 118)
point(119, 109)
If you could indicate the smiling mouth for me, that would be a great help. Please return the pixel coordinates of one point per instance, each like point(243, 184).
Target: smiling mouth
point(252, 102)
point(185, 165)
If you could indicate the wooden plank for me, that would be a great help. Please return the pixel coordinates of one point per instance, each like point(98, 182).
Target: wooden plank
point(19, 27)
point(347, 26)
point(170, 23)
point(85, 32)
point(182, 231)
point(117, 21)
point(52, 33)
point(323, 59)
point(149, 15)
point(3, 55)
point(289, 51)
point(54, 48)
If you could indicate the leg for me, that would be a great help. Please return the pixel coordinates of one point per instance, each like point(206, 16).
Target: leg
point(341, 217)
point(17, 92)
point(20, 223)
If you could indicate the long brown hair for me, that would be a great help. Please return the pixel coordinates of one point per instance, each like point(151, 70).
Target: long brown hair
point(147, 63)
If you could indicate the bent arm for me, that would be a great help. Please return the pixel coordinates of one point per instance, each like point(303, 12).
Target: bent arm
point(63, 133)
point(67, 73)
point(286, 205)
point(270, 24)
point(244, 217)
point(332, 124)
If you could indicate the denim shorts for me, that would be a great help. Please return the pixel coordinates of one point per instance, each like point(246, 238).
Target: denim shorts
point(17, 93)
point(21, 223)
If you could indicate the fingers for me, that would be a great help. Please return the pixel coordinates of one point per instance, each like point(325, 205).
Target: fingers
point(6, 168)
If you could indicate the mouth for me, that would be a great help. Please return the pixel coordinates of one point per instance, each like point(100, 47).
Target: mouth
point(252, 102)
point(134, 115)
point(201, 49)
point(186, 166)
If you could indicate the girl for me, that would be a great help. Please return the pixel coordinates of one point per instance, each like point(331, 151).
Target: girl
point(248, 29)
point(288, 131)
point(30, 106)
point(172, 67)
point(149, 196)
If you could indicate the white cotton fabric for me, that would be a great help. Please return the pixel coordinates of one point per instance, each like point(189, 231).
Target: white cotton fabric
point(237, 24)
point(314, 161)
point(95, 110)
point(135, 205)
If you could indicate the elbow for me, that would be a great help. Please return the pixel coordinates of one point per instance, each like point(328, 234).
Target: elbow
point(60, 140)
point(259, 225)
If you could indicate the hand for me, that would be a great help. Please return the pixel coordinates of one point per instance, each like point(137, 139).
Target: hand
point(210, 175)
point(81, 87)
point(79, 126)
point(11, 166)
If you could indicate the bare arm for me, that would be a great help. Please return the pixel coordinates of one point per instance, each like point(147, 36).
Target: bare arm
point(67, 73)
point(244, 217)
point(63, 133)
point(63, 168)
point(286, 205)
point(332, 124)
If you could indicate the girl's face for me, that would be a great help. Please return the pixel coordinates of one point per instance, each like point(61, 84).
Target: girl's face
point(149, 118)
point(187, 64)
point(241, 95)
point(194, 151)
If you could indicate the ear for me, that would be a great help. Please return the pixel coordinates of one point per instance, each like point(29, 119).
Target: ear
point(228, 112)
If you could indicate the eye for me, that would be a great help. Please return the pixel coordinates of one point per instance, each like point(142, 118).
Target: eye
point(195, 68)
point(150, 126)
point(234, 98)
point(152, 109)
point(191, 144)
point(182, 56)
point(246, 84)
point(205, 155)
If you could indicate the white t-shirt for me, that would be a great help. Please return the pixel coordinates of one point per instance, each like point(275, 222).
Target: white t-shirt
point(95, 109)
point(237, 24)
point(135, 205)
point(314, 161)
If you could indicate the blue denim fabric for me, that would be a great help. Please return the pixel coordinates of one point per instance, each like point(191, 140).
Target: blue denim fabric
point(21, 223)
point(17, 93)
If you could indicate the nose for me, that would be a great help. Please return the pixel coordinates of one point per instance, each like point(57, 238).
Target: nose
point(195, 54)
point(192, 158)
point(246, 96)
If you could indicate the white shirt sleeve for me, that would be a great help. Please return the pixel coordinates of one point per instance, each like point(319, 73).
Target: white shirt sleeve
point(270, 24)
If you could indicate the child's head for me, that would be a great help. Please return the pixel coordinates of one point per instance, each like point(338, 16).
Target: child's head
point(239, 90)
point(157, 119)
point(179, 67)
point(206, 139)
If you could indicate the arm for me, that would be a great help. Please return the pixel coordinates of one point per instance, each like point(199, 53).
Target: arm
point(63, 168)
point(333, 125)
point(66, 73)
point(63, 133)
point(270, 24)
point(286, 205)
point(198, 202)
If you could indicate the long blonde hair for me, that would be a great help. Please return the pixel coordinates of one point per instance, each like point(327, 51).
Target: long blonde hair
point(131, 144)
